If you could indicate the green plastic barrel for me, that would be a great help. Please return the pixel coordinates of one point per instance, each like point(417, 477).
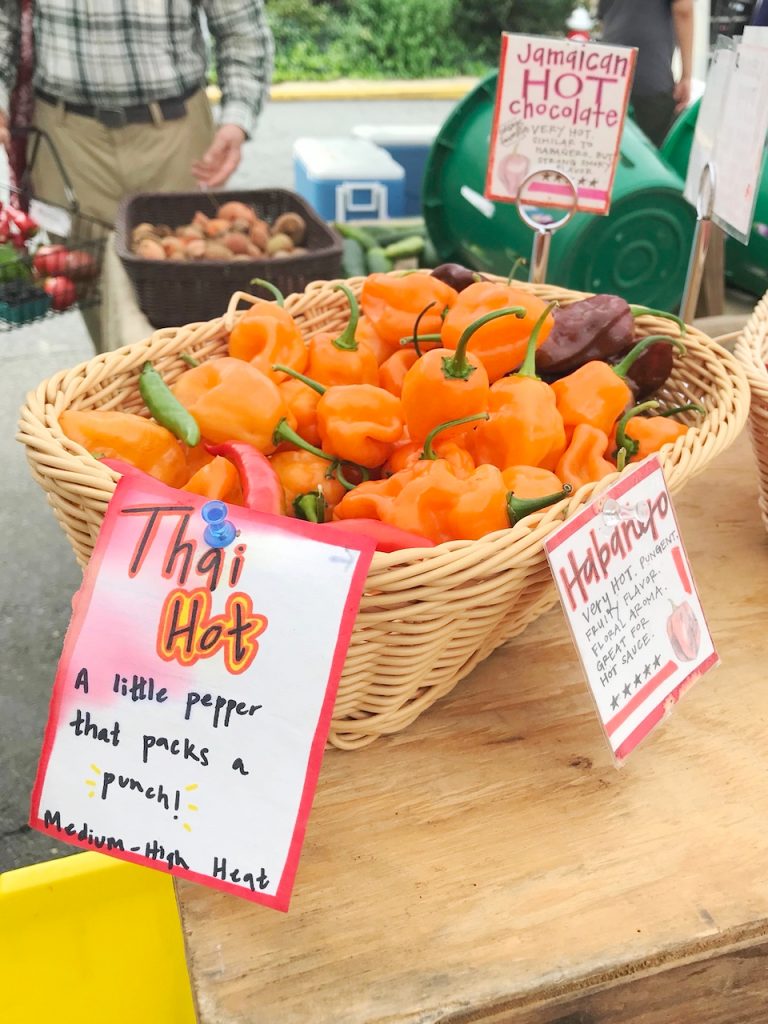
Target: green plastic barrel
point(639, 251)
point(746, 266)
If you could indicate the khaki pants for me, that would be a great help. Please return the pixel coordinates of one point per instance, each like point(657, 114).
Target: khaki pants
point(105, 164)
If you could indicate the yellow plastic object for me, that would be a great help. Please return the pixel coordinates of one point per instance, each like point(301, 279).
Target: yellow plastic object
point(91, 938)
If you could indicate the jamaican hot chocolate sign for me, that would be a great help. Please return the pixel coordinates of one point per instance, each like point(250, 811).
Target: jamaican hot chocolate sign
point(628, 595)
point(560, 105)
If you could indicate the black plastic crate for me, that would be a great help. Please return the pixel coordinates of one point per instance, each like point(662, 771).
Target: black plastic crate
point(171, 293)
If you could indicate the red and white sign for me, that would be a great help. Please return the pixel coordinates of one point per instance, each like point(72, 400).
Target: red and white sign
point(560, 106)
point(194, 694)
point(631, 604)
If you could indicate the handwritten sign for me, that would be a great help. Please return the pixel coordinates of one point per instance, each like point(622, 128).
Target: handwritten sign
point(560, 105)
point(194, 693)
point(740, 140)
point(629, 598)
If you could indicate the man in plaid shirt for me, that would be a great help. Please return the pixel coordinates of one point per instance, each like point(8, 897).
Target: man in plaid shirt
point(120, 89)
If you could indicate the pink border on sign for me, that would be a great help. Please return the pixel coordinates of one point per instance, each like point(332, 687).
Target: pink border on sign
point(605, 207)
point(365, 546)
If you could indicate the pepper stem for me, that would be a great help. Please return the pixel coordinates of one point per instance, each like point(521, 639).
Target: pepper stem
point(428, 452)
point(458, 366)
point(518, 508)
point(621, 459)
point(528, 368)
point(415, 339)
point(185, 357)
point(284, 432)
point(346, 341)
point(521, 261)
point(268, 286)
point(310, 506)
point(688, 407)
point(647, 311)
point(625, 443)
point(622, 369)
point(422, 337)
point(300, 376)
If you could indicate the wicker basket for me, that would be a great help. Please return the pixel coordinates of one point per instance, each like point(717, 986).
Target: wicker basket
point(426, 618)
point(752, 349)
point(171, 292)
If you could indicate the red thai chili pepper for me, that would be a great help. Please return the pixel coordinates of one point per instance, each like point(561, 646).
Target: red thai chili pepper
point(262, 490)
point(388, 538)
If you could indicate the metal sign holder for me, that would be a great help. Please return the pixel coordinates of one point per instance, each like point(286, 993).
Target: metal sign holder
point(705, 202)
point(542, 233)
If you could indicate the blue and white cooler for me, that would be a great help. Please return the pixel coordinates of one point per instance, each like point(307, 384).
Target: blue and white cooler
point(410, 146)
point(348, 179)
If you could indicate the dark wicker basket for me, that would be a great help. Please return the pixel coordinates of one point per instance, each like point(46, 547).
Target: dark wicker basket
point(172, 293)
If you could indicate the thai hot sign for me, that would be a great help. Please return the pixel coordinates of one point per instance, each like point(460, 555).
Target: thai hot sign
point(194, 694)
point(629, 598)
point(560, 106)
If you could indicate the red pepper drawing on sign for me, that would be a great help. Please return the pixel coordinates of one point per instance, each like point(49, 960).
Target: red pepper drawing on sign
point(684, 632)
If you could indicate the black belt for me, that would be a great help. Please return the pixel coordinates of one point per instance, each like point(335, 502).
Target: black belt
point(119, 117)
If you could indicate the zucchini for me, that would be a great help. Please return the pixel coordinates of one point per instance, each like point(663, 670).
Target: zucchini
point(353, 263)
point(412, 245)
point(378, 261)
point(359, 235)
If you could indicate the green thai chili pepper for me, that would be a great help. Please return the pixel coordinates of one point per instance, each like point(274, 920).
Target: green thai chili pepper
point(166, 408)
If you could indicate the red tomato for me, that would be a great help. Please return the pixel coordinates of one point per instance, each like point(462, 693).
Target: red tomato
point(62, 291)
point(50, 260)
point(79, 265)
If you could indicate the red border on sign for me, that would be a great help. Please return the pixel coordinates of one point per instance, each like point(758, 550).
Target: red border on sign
point(337, 538)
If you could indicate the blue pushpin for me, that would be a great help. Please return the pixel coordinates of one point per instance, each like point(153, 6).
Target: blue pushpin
point(220, 531)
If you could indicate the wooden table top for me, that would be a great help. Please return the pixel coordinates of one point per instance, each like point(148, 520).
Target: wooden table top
point(489, 863)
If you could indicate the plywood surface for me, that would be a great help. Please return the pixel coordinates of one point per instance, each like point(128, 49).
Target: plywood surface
point(490, 863)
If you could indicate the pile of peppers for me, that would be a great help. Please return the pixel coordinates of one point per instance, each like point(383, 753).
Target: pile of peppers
point(448, 408)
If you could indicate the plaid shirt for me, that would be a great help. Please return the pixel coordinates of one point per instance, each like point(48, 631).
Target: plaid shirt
point(117, 53)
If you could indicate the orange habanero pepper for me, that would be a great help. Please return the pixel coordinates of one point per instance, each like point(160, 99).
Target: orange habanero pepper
point(445, 384)
point(367, 334)
point(309, 484)
point(408, 453)
point(392, 303)
point(525, 427)
point(487, 505)
point(268, 334)
point(500, 346)
point(233, 401)
point(584, 461)
point(341, 359)
point(302, 405)
point(357, 423)
point(130, 438)
point(638, 436)
point(597, 393)
point(530, 481)
point(217, 479)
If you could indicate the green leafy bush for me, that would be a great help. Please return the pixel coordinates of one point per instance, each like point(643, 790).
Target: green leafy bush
point(328, 39)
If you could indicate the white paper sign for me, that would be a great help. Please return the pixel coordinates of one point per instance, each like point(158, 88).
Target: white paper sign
point(629, 599)
point(560, 105)
point(193, 698)
point(740, 142)
point(709, 117)
point(52, 219)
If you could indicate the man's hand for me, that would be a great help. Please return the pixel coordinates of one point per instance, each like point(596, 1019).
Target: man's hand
point(5, 132)
point(682, 94)
point(222, 157)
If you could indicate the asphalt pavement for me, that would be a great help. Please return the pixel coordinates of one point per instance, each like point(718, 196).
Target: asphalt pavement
point(38, 572)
